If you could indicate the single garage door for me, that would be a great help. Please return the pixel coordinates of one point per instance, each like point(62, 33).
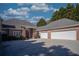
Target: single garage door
point(65, 35)
point(43, 35)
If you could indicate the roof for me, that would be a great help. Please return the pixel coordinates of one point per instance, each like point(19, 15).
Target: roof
point(18, 23)
point(0, 21)
point(61, 23)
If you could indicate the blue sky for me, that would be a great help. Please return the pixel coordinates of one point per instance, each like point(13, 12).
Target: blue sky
point(29, 11)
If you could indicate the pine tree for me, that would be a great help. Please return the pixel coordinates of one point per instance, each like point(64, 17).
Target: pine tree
point(70, 12)
point(70, 6)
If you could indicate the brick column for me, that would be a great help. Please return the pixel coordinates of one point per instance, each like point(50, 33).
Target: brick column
point(23, 32)
point(29, 33)
point(10, 33)
point(33, 36)
point(49, 34)
point(78, 34)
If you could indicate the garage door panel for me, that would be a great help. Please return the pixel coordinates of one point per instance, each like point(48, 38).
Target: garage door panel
point(68, 35)
point(44, 35)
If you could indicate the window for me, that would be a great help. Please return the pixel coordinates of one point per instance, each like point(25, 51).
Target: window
point(17, 33)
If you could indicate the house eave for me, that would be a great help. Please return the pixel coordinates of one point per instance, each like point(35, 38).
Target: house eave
point(70, 26)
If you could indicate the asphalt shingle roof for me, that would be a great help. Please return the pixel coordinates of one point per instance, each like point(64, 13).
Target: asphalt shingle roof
point(58, 24)
point(18, 23)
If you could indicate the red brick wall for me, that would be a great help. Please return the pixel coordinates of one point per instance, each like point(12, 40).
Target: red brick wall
point(23, 32)
point(49, 34)
point(78, 33)
point(64, 29)
point(11, 31)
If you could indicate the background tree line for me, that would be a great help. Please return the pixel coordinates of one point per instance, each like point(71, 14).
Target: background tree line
point(71, 11)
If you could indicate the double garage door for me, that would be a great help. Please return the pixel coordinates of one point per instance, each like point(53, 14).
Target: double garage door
point(64, 35)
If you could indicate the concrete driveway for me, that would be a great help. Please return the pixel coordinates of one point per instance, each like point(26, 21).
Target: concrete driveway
point(38, 47)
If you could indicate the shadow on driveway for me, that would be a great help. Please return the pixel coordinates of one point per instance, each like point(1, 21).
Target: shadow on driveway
point(30, 48)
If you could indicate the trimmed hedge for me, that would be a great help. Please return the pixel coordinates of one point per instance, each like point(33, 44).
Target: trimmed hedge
point(10, 38)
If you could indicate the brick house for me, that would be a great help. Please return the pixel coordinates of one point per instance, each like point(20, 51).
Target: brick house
point(0, 24)
point(15, 27)
point(65, 29)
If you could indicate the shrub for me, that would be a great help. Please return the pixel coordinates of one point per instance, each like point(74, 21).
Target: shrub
point(10, 38)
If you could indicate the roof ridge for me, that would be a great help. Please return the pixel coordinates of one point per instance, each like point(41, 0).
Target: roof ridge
point(62, 19)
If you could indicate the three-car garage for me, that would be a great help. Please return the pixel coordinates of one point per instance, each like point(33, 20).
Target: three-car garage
point(64, 35)
point(63, 29)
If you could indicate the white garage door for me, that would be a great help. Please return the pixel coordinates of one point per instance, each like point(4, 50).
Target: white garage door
point(44, 35)
point(67, 35)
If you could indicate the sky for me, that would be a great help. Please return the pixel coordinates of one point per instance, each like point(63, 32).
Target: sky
point(29, 11)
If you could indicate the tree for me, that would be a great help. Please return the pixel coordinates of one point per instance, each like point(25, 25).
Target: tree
point(70, 6)
point(41, 22)
point(58, 14)
point(77, 12)
point(70, 12)
point(77, 9)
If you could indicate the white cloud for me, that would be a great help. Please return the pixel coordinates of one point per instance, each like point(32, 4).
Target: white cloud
point(35, 19)
point(54, 9)
point(10, 17)
point(3, 16)
point(34, 22)
point(22, 12)
point(18, 11)
point(47, 19)
point(40, 7)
